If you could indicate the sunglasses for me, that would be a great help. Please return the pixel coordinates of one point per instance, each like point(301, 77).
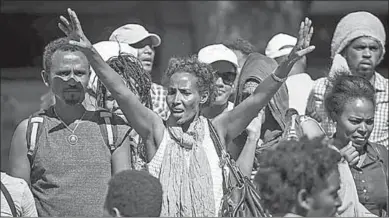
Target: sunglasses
point(143, 43)
point(227, 77)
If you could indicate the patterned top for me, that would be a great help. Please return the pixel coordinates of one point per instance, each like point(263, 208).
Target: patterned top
point(155, 164)
point(380, 134)
point(21, 196)
point(158, 97)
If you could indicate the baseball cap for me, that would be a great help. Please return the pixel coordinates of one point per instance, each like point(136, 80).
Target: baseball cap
point(133, 33)
point(108, 49)
point(280, 45)
point(217, 52)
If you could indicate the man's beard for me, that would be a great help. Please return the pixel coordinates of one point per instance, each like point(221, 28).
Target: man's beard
point(74, 99)
point(72, 102)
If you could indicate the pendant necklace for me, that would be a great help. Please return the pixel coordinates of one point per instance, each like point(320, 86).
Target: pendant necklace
point(72, 139)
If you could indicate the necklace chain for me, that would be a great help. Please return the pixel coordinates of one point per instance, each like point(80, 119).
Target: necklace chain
point(71, 130)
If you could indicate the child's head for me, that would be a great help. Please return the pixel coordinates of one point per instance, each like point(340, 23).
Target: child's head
point(133, 193)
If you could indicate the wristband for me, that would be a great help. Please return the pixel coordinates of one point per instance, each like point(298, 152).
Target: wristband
point(277, 79)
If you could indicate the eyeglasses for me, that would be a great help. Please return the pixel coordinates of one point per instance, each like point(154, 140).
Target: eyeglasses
point(227, 77)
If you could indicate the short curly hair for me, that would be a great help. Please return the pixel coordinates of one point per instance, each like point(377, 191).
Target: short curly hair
point(135, 194)
point(344, 88)
point(240, 45)
point(291, 166)
point(203, 72)
point(61, 44)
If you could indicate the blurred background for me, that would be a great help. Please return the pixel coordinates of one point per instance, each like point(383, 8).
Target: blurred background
point(184, 26)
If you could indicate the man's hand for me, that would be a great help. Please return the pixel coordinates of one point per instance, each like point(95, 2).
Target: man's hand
point(302, 46)
point(350, 154)
point(74, 31)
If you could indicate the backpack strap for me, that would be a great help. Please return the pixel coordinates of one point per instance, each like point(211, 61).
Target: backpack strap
point(9, 200)
point(34, 131)
point(108, 130)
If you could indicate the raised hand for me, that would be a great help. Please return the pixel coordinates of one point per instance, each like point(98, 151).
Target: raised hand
point(254, 128)
point(74, 31)
point(302, 46)
point(350, 154)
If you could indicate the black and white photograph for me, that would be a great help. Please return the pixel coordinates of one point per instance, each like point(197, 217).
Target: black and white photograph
point(194, 108)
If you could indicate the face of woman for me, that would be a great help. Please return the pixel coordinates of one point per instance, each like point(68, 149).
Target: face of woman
point(183, 97)
point(356, 121)
point(111, 104)
point(362, 56)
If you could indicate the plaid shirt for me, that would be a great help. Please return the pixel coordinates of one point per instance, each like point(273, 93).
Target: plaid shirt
point(158, 98)
point(380, 133)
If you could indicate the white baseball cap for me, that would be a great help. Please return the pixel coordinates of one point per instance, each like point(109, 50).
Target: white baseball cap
point(108, 49)
point(280, 45)
point(217, 52)
point(133, 33)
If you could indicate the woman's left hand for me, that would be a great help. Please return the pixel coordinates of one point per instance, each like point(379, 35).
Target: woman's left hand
point(302, 46)
point(74, 31)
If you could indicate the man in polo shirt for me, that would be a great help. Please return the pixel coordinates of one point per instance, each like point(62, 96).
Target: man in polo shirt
point(145, 43)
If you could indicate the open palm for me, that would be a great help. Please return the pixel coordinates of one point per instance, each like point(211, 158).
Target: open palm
point(73, 30)
point(302, 46)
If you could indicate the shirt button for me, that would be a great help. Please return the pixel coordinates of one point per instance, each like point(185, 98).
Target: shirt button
point(360, 172)
point(363, 180)
point(364, 190)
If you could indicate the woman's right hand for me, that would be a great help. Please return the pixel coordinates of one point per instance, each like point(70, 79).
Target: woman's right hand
point(350, 154)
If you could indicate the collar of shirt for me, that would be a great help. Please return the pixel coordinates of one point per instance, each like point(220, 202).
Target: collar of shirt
point(379, 83)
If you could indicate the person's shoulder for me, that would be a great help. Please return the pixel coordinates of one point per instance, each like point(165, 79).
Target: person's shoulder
point(382, 150)
point(156, 86)
point(321, 81)
point(320, 85)
point(15, 182)
point(381, 83)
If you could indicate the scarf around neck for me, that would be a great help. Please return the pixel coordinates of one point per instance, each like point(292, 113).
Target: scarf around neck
point(186, 174)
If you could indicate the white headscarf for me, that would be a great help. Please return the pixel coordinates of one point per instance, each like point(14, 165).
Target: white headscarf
point(350, 27)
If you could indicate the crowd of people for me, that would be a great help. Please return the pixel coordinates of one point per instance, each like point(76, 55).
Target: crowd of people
point(108, 141)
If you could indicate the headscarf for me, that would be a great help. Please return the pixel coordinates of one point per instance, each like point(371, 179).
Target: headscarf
point(257, 67)
point(350, 27)
point(186, 174)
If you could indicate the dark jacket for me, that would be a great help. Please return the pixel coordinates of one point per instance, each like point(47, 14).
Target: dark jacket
point(257, 67)
point(371, 179)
